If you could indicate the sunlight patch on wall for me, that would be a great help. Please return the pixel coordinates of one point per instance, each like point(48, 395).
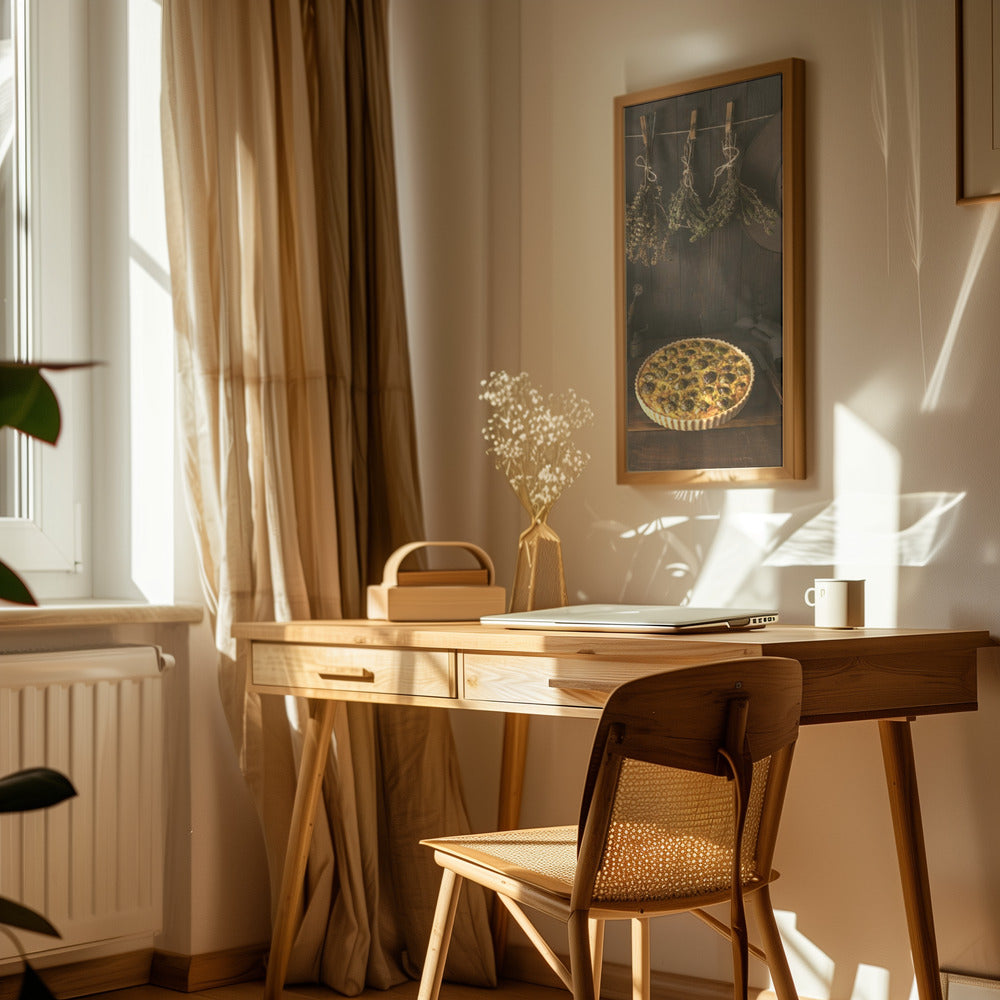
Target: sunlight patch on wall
point(653, 527)
point(811, 968)
point(925, 521)
point(150, 327)
point(871, 983)
point(987, 223)
point(719, 556)
point(747, 525)
point(714, 553)
point(866, 476)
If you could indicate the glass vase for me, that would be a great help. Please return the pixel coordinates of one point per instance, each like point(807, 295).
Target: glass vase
point(539, 581)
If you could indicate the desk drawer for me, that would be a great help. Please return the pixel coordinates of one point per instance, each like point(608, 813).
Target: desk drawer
point(427, 673)
point(578, 682)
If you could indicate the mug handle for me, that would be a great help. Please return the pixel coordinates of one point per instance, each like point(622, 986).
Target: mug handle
point(812, 591)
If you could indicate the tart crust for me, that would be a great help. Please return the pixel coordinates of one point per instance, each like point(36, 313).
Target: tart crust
point(694, 384)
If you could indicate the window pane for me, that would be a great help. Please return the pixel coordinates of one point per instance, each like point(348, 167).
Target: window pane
point(12, 448)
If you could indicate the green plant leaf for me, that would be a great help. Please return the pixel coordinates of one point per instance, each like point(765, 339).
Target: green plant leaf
point(27, 402)
point(15, 915)
point(32, 987)
point(12, 587)
point(34, 788)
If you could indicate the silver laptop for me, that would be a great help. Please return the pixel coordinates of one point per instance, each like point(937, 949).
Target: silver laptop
point(656, 618)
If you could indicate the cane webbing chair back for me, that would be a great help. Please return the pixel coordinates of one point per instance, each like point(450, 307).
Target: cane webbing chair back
point(679, 773)
point(680, 810)
point(672, 834)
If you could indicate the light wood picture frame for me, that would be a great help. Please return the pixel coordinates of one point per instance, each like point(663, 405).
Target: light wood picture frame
point(977, 90)
point(709, 200)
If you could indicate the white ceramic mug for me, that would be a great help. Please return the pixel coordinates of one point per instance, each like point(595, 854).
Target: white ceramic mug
point(838, 603)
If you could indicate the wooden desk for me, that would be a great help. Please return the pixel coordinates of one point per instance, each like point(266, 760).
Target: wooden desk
point(889, 675)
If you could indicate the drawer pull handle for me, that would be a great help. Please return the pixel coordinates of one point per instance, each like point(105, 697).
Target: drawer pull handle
point(348, 674)
point(580, 684)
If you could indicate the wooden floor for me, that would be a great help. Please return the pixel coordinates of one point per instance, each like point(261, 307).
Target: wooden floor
point(408, 991)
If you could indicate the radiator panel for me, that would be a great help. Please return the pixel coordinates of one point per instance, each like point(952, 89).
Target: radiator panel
point(93, 865)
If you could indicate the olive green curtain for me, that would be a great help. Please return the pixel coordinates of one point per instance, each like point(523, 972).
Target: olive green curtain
point(298, 437)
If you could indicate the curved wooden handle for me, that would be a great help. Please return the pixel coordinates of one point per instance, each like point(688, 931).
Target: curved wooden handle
point(392, 564)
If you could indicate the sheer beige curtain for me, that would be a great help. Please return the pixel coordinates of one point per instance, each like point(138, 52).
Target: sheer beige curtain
point(299, 456)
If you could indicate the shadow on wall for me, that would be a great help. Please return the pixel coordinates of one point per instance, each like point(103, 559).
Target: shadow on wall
point(667, 559)
point(728, 556)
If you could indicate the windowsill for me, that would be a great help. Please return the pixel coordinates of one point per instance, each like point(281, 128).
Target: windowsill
point(77, 614)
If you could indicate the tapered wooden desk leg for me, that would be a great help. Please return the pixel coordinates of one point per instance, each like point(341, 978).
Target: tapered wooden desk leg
point(901, 779)
point(315, 746)
point(515, 745)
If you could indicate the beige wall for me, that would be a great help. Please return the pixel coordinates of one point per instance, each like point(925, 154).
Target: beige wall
point(504, 144)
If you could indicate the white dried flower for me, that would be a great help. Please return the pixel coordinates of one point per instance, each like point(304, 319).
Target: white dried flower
point(530, 438)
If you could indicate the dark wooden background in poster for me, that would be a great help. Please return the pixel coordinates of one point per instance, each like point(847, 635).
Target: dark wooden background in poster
point(726, 285)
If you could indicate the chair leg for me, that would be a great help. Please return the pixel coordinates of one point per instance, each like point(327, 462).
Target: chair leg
point(597, 951)
point(640, 959)
point(741, 960)
point(580, 964)
point(777, 962)
point(437, 947)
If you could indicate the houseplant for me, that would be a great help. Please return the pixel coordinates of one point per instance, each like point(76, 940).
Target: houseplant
point(32, 788)
point(28, 404)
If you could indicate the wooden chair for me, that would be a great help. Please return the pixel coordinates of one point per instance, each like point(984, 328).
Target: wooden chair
point(680, 810)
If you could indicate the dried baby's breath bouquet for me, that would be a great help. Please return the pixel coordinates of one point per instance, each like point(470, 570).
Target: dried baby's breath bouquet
point(530, 438)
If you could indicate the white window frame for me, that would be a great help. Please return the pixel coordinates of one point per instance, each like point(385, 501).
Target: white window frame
point(49, 546)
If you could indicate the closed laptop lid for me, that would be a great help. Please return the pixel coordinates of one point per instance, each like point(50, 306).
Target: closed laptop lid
point(635, 618)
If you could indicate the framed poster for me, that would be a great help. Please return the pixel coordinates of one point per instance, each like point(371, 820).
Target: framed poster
point(710, 267)
point(977, 37)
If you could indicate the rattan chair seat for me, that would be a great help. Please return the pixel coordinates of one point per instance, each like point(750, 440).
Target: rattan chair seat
point(544, 857)
point(688, 866)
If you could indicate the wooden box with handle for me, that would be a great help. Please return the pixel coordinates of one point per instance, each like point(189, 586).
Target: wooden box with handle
point(435, 595)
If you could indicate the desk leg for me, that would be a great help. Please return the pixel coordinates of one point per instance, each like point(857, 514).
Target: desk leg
point(515, 745)
point(901, 780)
point(315, 746)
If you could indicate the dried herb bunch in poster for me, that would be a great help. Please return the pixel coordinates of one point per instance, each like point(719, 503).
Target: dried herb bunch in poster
point(733, 197)
point(686, 210)
point(647, 229)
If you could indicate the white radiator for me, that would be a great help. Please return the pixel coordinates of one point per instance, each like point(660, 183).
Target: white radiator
point(92, 865)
